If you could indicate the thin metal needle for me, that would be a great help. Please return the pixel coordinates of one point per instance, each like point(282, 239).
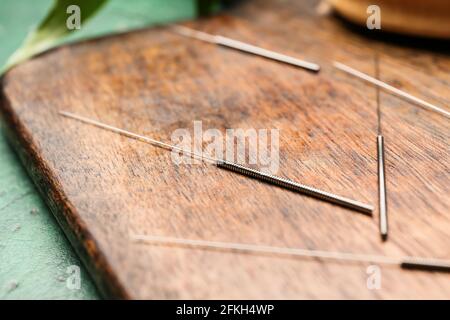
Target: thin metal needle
point(136, 136)
point(382, 204)
point(390, 88)
point(281, 182)
point(404, 262)
point(242, 46)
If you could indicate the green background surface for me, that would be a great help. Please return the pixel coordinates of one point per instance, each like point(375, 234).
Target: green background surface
point(34, 253)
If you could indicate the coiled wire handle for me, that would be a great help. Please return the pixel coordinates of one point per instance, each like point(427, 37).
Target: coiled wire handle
point(296, 187)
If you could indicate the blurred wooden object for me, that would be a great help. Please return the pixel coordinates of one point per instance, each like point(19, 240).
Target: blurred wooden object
point(429, 18)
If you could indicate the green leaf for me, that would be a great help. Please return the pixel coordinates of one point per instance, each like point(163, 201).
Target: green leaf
point(52, 29)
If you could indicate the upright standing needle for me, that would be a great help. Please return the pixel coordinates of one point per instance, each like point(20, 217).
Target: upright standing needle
point(242, 46)
point(223, 164)
point(392, 89)
point(382, 189)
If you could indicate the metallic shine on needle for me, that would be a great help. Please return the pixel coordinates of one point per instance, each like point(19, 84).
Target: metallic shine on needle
point(294, 186)
point(390, 88)
point(281, 182)
point(425, 264)
point(382, 189)
point(238, 45)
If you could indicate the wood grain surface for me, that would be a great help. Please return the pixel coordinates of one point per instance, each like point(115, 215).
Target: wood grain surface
point(102, 187)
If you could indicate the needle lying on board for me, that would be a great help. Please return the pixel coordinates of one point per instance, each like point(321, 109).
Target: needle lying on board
point(426, 264)
point(390, 88)
point(242, 46)
point(382, 207)
point(230, 166)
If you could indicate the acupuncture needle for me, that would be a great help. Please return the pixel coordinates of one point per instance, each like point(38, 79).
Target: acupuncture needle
point(424, 264)
point(391, 89)
point(245, 47)
point(236, 168)
point(382, 207)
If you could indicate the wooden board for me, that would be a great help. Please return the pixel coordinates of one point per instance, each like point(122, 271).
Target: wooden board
point(102, 187)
